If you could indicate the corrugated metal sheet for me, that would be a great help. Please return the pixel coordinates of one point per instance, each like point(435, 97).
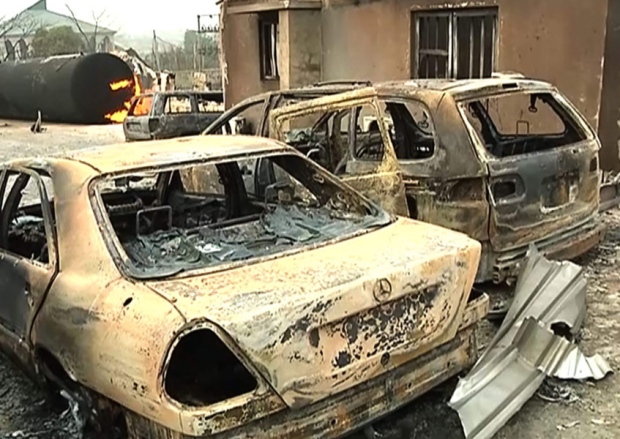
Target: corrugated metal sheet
point(526, 350)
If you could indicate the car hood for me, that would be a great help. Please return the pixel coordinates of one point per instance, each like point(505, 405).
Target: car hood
point(324, 320)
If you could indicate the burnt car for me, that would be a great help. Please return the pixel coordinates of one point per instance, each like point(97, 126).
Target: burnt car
point(507, 160)
point(167, 299)
point(168, 114)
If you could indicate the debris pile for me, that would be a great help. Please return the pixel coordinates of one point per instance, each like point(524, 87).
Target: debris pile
point(535, 341)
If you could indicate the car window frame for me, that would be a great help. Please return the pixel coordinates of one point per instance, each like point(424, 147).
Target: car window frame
point(51, 232)
point(189, 96)
point(566, 105)
point(425, 106)
point(224, 119)
point(119, 256)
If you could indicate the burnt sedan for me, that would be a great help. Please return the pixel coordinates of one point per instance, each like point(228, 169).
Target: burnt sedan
point(166, 299)
point(507, 160)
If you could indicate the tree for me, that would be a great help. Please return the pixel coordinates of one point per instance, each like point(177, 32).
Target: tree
point(20, 26)
point(19, 23)
point(90, 43)
point(61, 40)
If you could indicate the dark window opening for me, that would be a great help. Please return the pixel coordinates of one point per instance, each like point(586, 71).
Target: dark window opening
point(203, 371)
point(521, 123)
point(185, 218)
point(336, 139)
point(454, 44)
point(22, 222)
point(412, 131)
point(268, 45)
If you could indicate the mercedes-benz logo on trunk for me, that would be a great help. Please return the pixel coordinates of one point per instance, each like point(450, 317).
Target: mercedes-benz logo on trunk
point(382, 290)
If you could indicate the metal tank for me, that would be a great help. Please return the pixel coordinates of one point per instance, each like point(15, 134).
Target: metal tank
point(79, 89)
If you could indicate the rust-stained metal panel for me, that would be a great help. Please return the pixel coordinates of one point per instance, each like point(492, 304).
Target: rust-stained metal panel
point(334, 417)
point(316, 351)
point(526, 350)
point(335, 336)
point(556, 190)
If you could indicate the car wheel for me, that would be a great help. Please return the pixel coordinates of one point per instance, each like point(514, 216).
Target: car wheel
point(94, 415)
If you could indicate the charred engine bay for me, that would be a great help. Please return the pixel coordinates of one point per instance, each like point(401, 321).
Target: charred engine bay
point(277, 230)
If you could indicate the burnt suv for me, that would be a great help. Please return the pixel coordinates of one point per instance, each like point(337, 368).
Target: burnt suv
point(507, 160)
point(169, 114)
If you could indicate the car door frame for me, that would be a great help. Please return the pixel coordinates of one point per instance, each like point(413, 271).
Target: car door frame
point(381, 181)
point(222, 124)
point(37, 277)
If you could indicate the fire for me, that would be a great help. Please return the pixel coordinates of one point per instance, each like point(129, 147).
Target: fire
point(119, 116)
point(126, 83)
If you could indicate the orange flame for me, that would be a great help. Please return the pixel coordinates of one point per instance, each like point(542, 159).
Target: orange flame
point(125, 83)
point(119, 115)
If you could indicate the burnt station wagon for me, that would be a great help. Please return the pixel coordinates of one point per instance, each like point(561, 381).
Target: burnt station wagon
point(168, 114)
point(507, 160)
point(169, 299)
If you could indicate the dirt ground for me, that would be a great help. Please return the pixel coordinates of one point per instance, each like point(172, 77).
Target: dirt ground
point(560, 410)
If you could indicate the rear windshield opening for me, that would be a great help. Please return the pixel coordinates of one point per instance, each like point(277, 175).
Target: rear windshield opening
point(210, 214)
point(523, 123)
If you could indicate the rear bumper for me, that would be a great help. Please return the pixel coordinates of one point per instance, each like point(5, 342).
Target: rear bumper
point(357, 407)
point(566, 244)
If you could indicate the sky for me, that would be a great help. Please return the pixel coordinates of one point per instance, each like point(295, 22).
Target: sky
point(129, 17)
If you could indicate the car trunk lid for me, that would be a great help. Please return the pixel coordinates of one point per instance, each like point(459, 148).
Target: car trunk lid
point(319, 322)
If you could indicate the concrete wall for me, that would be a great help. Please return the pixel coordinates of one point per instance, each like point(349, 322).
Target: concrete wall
point(561, 41)
point(300, 47)
point(240, 43)
point(28, 40)
point(609, 124)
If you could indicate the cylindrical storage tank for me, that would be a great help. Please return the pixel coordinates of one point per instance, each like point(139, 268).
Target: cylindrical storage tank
point(80, 89)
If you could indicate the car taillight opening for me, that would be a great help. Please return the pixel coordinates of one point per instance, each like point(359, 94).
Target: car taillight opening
point(203, 371)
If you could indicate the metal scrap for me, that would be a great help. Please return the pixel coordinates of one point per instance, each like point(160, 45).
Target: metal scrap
point(526, 349)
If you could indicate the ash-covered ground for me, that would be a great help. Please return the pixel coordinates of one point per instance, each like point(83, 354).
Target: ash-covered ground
point(561, 410)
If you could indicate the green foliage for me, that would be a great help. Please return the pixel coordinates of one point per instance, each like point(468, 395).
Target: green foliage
point(61, 40)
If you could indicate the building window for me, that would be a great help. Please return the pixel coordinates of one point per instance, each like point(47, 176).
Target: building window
point(454, 44)
point(268, 39)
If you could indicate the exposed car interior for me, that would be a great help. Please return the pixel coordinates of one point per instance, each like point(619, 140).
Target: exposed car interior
point(318, 137)
point(22, 223)
point(214, 213)
point(521, 123)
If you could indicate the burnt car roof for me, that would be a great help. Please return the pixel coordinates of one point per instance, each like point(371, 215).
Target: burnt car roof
point(462, 87)
point(456, 87)
point(210, 93)
point(119, 158)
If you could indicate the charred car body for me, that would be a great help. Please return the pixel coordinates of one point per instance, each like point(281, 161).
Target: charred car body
point(509, 161)
point(168, 114)
point(189, 306)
